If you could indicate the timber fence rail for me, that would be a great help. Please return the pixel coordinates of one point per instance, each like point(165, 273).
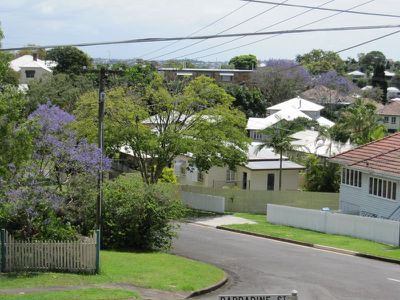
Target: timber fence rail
point(79, 256)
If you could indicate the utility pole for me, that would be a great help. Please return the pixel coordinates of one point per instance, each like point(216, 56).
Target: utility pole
point(102, 98)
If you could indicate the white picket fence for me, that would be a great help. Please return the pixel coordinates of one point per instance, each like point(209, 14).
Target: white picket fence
point(65, 256)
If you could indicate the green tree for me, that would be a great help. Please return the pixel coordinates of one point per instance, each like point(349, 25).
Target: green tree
point(41, 53)
point(318, 61)
point(321, 176)
point(16, 138)
point(158, 126)
point(62, 90)
point(244, 62)
point(179, 64)
point(368, 62)
point(360, 123)
point(379, 80)
point(249, 100)
point(69, 59)
point(277, 138)
point(7, 75)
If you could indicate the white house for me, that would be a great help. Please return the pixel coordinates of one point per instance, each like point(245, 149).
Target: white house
point(288, 110)
point(370, 179)
point(260, 172)
point(357, 74)
point(30, 67)
point(310, 141)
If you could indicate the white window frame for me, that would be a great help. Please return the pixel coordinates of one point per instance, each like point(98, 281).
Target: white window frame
point(393, 120)
point(382, 188)
point(351, 178)
point(256, 135)
point(385, 119)
point(230, 175)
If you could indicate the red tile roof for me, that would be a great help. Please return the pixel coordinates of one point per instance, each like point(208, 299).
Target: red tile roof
point(381, 156)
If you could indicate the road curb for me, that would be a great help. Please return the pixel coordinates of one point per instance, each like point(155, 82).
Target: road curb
point(210, 288)
point(316, 246)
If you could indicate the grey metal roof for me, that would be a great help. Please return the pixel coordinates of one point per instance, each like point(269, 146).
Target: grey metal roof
point(273, 165)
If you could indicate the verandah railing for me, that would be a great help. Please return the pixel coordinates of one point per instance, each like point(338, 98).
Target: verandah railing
point(61, 256)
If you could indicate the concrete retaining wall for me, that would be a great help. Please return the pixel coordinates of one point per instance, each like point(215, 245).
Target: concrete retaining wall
point(379, 230)
point(204, 202)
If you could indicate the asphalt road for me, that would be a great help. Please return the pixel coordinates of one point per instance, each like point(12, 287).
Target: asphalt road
point(258, 265)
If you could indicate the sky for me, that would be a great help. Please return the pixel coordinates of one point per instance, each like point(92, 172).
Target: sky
point(44, 22)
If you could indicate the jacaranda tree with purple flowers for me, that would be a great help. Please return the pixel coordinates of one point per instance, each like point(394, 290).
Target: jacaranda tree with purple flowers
point(35, 204)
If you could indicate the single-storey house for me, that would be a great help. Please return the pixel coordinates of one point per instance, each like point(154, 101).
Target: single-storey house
point(370, 179)
point(260, 172)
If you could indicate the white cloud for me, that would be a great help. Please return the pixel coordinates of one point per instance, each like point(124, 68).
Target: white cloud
point(67, 21)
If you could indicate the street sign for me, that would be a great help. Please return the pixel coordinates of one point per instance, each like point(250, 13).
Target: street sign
point(292, 296)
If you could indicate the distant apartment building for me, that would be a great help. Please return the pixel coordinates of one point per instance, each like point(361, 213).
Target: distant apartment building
point(220, 75)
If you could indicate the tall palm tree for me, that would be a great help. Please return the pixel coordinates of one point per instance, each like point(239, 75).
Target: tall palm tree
point(277, 138)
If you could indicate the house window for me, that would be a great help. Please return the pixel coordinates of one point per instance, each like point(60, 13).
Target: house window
point(382, 188)
point(230, 176)
point(386, 120)
point(225, 78)
point(270, 182)
point(30, 74)
point(351, 177)
point(393, 120)
point(255, 135)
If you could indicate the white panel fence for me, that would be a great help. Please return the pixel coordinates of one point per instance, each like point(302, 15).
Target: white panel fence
point(378, 230)
point(204, 202)
point(66, 256)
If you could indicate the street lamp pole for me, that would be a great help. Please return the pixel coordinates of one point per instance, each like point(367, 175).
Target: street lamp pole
point(102, 98)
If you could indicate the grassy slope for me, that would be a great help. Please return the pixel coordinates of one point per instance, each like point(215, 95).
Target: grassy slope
point(153, 270)
point(313, 237)
point(87, 294)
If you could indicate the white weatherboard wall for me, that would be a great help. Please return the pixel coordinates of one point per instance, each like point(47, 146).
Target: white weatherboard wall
point(378, 230)
point(204, 202)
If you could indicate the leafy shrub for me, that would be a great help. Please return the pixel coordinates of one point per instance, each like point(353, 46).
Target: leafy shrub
point(168, 176)
point(139, 216)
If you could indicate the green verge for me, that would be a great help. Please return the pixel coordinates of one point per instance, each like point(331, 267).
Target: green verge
point(151, 270)
point(313, 237)
point(87, 294)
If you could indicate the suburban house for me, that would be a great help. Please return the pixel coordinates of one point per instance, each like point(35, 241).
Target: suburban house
point(392, 92)
point(390, 114)
point(220, 75)
point(370, 179)
point(355, 75)
point(327, 97)
point(310, 141)
point(31, 67)
point(260, 172)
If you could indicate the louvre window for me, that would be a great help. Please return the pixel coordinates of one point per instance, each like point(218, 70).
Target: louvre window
point(382, 188)
point(351, 177)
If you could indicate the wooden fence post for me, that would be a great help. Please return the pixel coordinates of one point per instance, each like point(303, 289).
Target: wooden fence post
point(3, 250)
point(97, 251)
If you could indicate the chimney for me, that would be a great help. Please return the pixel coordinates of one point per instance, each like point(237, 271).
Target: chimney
point(35, 56)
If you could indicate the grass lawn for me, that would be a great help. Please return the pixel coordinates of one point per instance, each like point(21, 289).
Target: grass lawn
point(308, 236)
point(87, 294)
point(152, 270)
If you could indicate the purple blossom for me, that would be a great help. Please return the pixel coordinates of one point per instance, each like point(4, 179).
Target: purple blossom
point(288, 69)
point(334, 81)
point(51, 118)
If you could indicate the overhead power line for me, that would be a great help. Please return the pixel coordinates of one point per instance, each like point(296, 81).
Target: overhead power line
point(264, 28)
point(273, 36)
point(152, 40)
point(197, 31)
point(327, 9)
point(223, 31)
